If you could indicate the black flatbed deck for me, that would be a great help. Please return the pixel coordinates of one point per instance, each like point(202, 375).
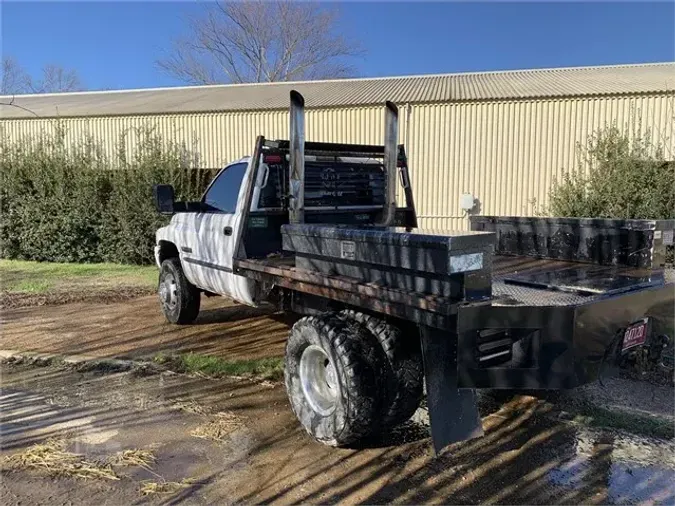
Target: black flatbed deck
point(527, 281)
point(281, 270)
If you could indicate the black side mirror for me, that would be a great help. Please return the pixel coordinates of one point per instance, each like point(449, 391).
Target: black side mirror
point(164, 198)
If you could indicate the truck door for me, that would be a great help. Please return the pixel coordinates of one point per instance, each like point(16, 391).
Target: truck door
point(214, 246)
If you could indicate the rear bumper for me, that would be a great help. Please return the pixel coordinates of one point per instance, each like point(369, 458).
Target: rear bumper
point(563, 346)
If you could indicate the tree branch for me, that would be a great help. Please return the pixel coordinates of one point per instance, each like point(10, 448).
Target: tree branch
point(256, 41)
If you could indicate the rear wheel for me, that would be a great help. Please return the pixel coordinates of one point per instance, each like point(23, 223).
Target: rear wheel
point(403, 368)
point(178, 297)
point(333, 379)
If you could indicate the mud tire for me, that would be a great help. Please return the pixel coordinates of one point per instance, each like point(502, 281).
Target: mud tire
point(403, 368)
point(186, 298)
point(358, 388)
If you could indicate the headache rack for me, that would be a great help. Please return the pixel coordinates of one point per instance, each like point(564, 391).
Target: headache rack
point(330, 183)
point(321, 182)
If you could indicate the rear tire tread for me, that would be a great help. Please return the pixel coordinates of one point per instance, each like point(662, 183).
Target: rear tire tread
point(359, 371)
point(404, 371)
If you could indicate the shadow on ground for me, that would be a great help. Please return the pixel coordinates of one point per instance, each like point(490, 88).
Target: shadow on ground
point(137, 328)
point(526, 456)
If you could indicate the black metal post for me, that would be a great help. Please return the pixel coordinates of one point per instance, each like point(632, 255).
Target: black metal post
point(239, 249)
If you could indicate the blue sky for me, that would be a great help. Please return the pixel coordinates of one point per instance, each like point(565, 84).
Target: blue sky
point(116, 44)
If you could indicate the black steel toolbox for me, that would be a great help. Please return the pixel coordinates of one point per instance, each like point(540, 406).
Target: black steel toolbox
point(456, 264)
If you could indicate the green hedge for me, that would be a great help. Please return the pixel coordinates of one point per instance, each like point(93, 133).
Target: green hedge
point(72, 203)
point(620, 175)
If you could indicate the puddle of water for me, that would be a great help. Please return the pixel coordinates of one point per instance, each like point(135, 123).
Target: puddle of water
point(619, 468)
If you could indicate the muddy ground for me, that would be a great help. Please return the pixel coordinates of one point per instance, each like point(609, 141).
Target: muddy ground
point(529, 454)
point(136, 328)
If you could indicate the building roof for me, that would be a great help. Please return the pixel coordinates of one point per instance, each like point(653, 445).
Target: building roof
point(512, 84)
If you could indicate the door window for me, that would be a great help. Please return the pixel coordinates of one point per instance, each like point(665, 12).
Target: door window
point(222, 195)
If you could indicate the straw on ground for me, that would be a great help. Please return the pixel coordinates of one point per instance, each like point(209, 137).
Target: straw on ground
point(219, 427)
point(164, 487)
point(134, 458)
point(51, 457)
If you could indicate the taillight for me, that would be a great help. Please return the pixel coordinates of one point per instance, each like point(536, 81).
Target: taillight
point(270, 159)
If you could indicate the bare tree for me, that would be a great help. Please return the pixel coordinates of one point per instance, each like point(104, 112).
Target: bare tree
point(55, 79)
point(16, 80)
point(261, 41)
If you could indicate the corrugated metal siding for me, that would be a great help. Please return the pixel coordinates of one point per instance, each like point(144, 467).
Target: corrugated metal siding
point(506, 153)
point(218, 137)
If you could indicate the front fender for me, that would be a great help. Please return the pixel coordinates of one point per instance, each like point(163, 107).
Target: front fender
point(169, 239)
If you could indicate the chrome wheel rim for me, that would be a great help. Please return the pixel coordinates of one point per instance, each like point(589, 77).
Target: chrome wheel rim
point(319, 380)
point(168, 292)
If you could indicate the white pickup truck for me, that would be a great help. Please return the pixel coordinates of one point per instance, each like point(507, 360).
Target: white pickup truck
point(204, 242)
point(195, 251)
point(515, 303)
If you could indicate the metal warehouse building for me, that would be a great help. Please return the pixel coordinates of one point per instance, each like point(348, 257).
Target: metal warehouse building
point(502, 136)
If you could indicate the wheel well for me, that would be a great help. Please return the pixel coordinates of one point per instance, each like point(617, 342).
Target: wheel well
point(167, 250)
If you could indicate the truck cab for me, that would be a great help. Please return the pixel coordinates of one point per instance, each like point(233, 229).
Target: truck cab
point(203, 236)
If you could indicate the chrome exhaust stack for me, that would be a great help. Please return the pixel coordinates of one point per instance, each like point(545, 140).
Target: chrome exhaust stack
point(390, 159)
point(296, 180)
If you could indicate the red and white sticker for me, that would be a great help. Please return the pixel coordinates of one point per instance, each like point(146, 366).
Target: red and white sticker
point(635, 335)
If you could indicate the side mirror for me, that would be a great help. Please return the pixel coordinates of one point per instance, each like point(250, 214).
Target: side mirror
point(164, 198)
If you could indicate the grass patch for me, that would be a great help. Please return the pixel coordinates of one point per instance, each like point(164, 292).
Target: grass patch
point(51, 457)
point(32, 286)
point(19, 276)
point(264, 368)
point(595, 416)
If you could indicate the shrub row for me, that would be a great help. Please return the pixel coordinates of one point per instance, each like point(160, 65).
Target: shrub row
point(73, 203)
point(620, 175)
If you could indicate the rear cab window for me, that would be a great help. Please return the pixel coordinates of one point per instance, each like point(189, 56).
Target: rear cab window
point(329, 184)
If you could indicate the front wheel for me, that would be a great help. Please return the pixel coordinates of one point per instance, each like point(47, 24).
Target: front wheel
point(178, 297)
point(333, 378)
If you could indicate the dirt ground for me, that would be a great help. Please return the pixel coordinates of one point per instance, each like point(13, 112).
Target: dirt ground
point(528, 455)
point(525, 457)
point(136, 328)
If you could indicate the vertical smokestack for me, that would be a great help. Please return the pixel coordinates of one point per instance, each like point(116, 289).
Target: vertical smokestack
point(296, 202)
point(390, 158)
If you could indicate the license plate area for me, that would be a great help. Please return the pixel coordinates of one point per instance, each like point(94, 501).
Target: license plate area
point(635, 334)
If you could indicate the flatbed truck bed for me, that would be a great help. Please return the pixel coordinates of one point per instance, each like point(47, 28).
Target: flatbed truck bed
point(507, 298)
point(514, 303)
point(563, 339)
point(282, 271)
